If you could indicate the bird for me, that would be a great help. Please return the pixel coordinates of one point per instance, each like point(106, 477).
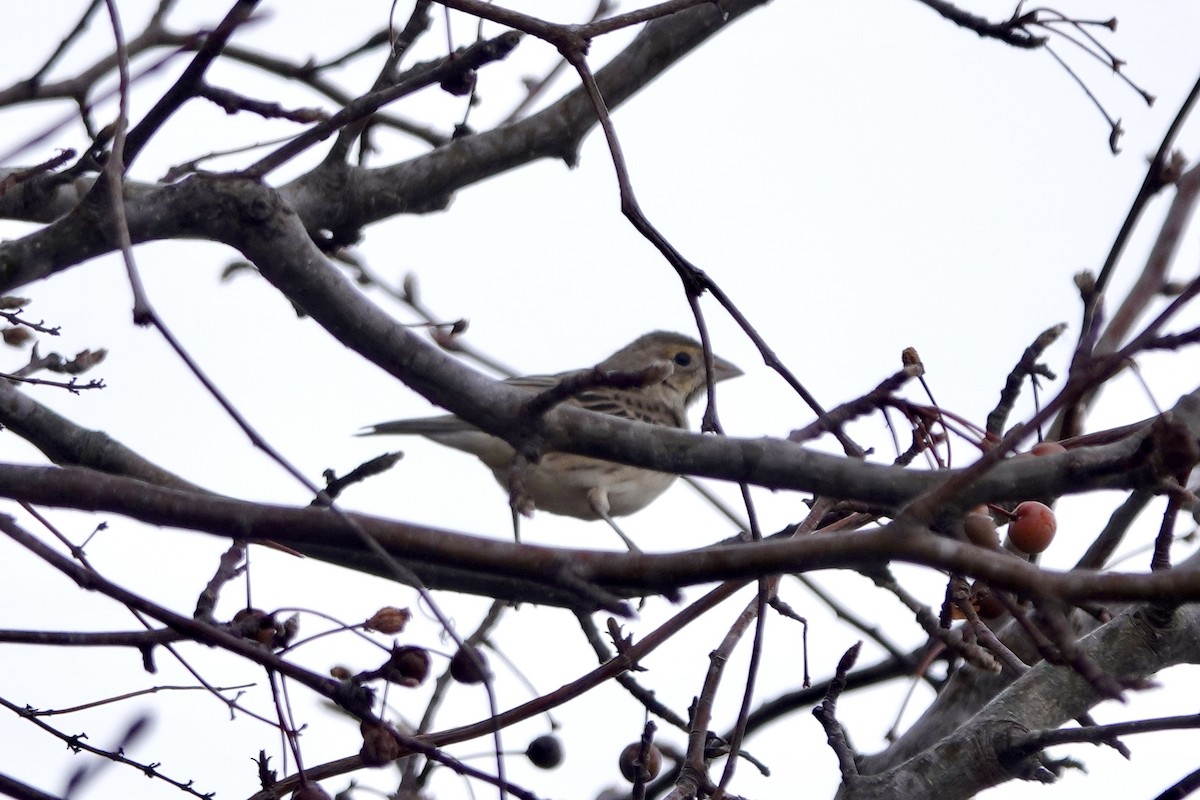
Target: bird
point(580, 486)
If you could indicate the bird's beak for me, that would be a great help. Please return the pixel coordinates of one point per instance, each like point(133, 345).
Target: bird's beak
point(723, 370)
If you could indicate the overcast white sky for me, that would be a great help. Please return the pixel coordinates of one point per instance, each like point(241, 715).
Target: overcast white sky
point(859, 177)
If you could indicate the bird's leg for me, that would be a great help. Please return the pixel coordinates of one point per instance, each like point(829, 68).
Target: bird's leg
point(516, 518)
point(518, 500)
point(598, 499)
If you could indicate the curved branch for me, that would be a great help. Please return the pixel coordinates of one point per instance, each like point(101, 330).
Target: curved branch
point(574, 578)
point(255, 220)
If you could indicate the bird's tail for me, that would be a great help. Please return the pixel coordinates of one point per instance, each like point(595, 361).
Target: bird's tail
point(418, 427)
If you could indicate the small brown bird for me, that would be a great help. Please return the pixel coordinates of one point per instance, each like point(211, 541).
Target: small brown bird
point(579, 486)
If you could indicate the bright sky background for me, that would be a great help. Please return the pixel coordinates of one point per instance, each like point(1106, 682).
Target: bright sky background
point(859, 177)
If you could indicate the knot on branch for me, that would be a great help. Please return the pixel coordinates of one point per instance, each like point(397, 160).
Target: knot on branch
point(1169, 451)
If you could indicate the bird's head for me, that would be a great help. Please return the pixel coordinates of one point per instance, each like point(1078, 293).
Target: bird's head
point(684, 354)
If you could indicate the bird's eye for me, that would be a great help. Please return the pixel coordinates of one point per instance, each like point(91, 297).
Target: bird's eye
point(683, 359)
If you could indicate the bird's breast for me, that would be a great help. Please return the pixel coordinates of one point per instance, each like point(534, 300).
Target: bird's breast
point(560, 483)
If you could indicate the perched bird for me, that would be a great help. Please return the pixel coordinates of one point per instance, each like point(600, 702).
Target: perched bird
point(579, 486)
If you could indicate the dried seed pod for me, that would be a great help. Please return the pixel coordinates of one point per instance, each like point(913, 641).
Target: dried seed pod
point(388, 620)
point(379, 745)
point(406, 666)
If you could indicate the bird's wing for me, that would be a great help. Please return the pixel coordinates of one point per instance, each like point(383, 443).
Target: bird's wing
point(448, 423)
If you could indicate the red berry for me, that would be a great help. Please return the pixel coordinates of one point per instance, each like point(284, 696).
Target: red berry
point(1032, 527)
point(1047, 449)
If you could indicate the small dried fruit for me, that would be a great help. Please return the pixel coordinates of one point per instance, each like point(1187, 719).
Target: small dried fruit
point(469, 665)
point(388, 620)
point(987, 605)
point(635, 771)
point(379, 745)
point(460, 84)
point(406, 666)
point(545, 752)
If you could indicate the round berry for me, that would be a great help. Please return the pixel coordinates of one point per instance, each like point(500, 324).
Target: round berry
point(1032, 527)
point(1047, 449)
point(545, 752)
point(469, 665)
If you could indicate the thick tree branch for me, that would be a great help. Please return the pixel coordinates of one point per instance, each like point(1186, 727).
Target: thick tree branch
point(346, 198)
point(985, 751)
point(254, 219)
point(449, 560)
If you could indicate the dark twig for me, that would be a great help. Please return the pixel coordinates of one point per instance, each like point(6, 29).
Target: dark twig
point(826, 714)
point(1035, 741)
point(766, 592)
point(307, 74)
point(229, 567)
point(473, 57)
point(231, 103)
point(21, 175)
point(84, 20)
point(971, 652)
point(135, 639)
point(1027, 367)
point(695, 281)
point(534, 89)
point(334, 485)
point(411, 778)
point(418, 23)
point(1114, 125)
point(960, 595)
point(354, 699)
point(77, 744)
point(1011, 31)
point(640, 774)
point(875, 399)
point(1153, 277)
point(1161, 560)
point(1089, 44)
point(1151, 185)
point(640, 693)
point(185, 87)
point(1182, 788)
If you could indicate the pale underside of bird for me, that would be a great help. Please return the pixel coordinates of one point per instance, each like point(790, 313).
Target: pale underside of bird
point(579, 486)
